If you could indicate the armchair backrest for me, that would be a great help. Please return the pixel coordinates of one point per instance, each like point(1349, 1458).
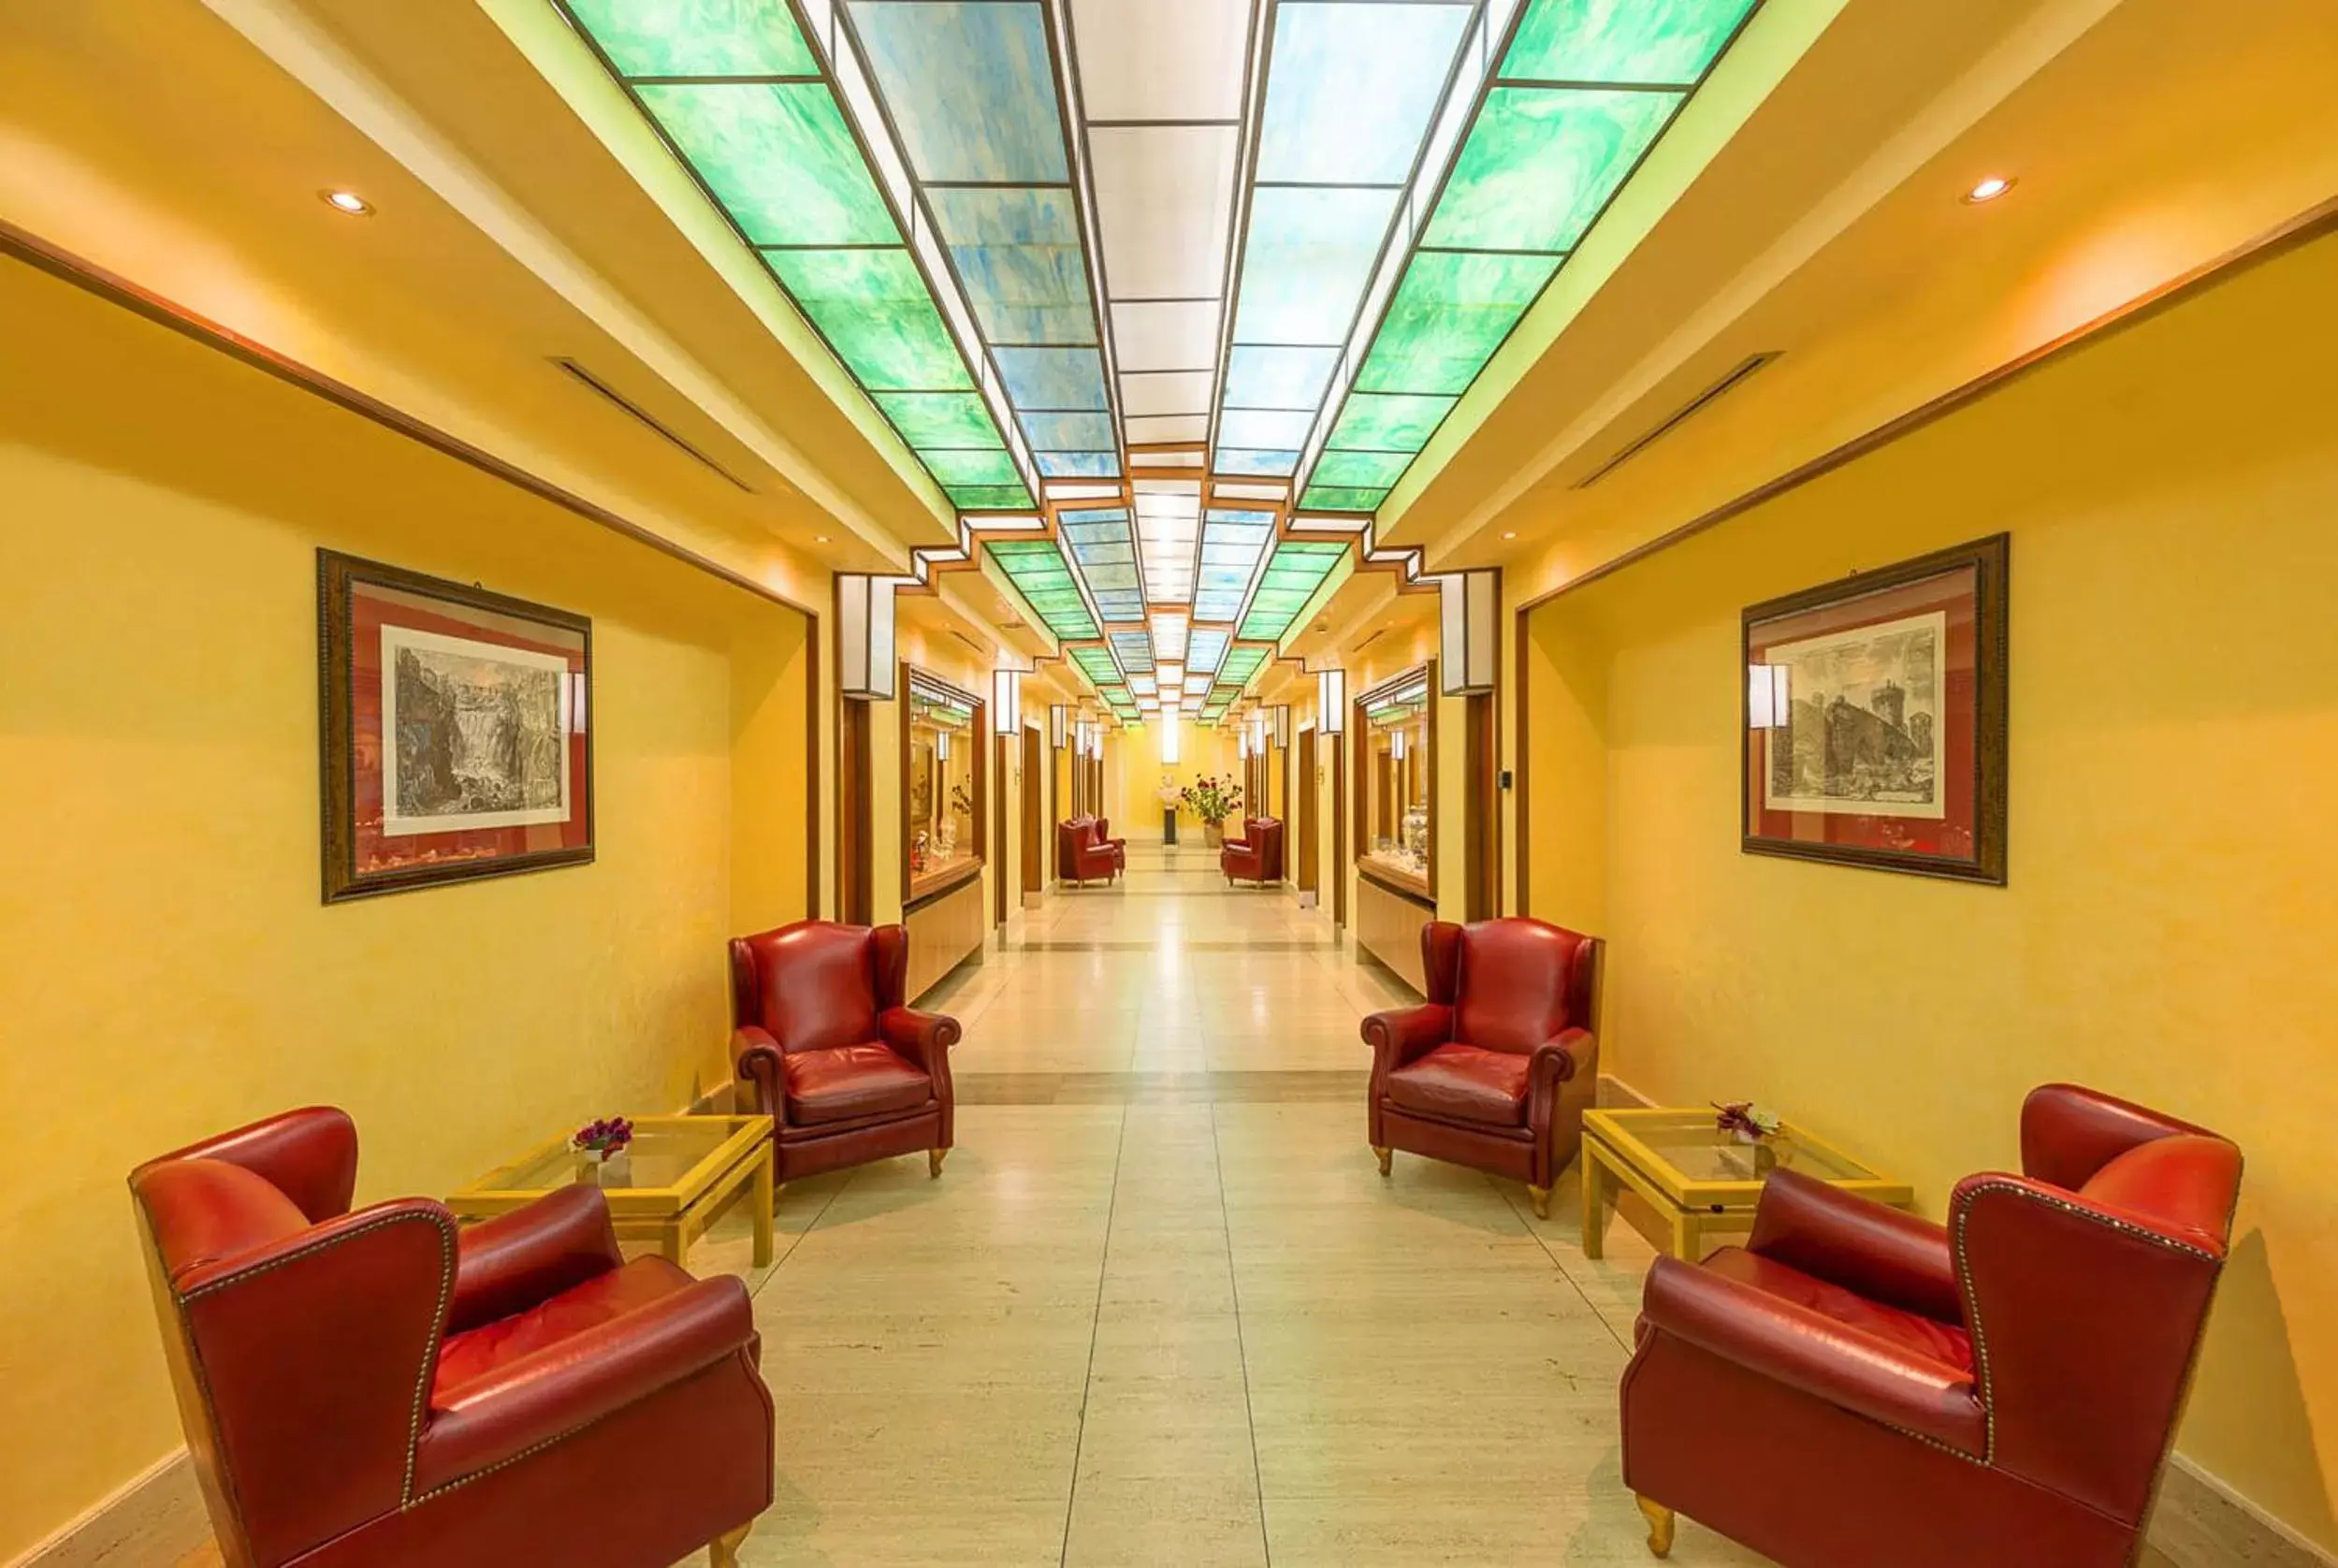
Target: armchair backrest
point(2087, 1286)
point(817, 983)
point(1265, 836)
point(1513, 983)
point(1101, 832)
point(301, 1338)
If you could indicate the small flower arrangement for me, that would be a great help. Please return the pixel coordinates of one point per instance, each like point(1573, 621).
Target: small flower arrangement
point(961, 801)
point(1745, 1121)
point(1213, 800)
point(603, 1140)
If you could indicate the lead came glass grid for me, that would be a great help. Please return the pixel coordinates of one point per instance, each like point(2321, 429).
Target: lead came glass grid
point(1041, 575)
point(1297, 569)
point(1585, 89)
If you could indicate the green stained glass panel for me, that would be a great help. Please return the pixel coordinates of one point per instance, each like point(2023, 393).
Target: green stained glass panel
point(780, 158)
point(939, 418)
point(956, 469)
point(1387, 422)
point(874, 310)
point(1360, 469)
point(988, 497)
point(1541, 163)
point(697, 37)
point(1622, 41)
point(1333, 499)
point(1451, 314)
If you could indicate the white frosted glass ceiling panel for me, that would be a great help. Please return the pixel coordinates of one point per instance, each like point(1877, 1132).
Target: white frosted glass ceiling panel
point(1148, 60)
point(1164, 202)
point(1181, 392)
point(1174, 335)
point(1167, 427)
point(1352, 89)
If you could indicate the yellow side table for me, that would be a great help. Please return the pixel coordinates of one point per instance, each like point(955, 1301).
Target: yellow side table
point(685, 1170)
point(1700, 1178)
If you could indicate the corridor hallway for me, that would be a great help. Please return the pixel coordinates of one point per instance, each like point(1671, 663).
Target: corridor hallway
point(1161, 1308)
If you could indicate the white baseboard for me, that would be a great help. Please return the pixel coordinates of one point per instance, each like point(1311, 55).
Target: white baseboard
point(156, 1520)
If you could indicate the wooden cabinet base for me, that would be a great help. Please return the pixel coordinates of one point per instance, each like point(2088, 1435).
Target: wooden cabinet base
point(1389, 926)
point(944, 931)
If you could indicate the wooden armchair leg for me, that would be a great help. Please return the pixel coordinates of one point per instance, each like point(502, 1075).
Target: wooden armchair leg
point(1542, 1201)
point(723, 1550)
point(933, 1158)
point(1381, 1156)
point(1661, 1524)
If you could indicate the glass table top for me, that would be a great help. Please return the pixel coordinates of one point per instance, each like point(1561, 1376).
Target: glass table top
point(1695, 1152)
point(667, 1152)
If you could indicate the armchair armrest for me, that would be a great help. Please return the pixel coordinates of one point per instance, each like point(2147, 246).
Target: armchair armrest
point(1814, 1354)
point(1570, 1056)
point(755, 1058)
point(921, 1037)
point(1401, 1034)
point(546, 1393)
point(1865, 1247)
point(518, 1260)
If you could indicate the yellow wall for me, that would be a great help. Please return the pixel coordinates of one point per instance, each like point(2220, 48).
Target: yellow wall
point(2171, 493)
point(1135, 771)
point(170, 971)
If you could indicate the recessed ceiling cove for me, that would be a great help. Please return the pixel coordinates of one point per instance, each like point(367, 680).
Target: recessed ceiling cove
point(1164, 272)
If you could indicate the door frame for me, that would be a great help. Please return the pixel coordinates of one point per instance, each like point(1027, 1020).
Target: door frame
point(1307, 808)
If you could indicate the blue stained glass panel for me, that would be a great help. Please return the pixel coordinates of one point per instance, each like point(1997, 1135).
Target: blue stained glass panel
point(1308, 257)
point(1264, 377)
point(1078, 465)
point(1069, 432)
point(1053, 379)
point(1352, 89)
point(1263, 429)
point(971, 85)
point(1019, 255)
point(1256, 465)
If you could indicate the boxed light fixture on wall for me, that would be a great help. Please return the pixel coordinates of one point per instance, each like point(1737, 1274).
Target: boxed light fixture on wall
point(1470, 643)
point(1331, 702)
point(1283, 725)
point(865, 634)
point(1007, 702)
point(1058, 725)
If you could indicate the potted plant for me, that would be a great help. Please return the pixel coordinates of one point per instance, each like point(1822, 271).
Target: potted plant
point(604, 1157)
point(1213, 800)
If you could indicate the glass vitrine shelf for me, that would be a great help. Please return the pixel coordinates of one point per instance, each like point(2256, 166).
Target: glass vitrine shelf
point(942, 779)
point(1400, 770)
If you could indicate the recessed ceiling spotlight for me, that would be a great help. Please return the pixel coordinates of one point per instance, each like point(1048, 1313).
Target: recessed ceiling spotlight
point(347, 201)
point(1989, 189)
point(1511, 534)
point(820, 539)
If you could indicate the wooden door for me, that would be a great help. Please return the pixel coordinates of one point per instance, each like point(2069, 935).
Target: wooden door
point(1034, 822)
point(1307, 811)
point(998, 841)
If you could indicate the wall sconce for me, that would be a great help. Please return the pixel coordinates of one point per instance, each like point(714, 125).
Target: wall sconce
point(1172, 731)
point(1006, 701)
point(941, 745)
point(1242, 741)
point(1283, 725)
point(1331, 702)
point(1058, 725)
point(1769, 700)
point(1395, 746)
point(1080, 734)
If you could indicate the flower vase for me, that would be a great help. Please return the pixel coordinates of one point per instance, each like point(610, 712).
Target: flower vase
point(615, 1171)
point(1213, 834)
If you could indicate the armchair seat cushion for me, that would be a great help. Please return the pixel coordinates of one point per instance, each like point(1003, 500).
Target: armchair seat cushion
point(845, 1082)
point(469, 1356)
point(1910, 1332)
point(1463, 1083)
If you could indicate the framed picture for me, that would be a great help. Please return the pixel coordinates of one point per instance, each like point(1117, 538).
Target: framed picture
point(455, 740)
point(1874, 719)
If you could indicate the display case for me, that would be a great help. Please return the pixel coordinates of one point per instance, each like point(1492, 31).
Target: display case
point(941, 783)
point(1397, 736)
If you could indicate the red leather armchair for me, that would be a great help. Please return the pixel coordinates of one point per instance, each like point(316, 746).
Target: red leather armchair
point(1496, 1068)
point(846, 1072)
point(1857, 1385)
point(377, 1390)
point(1083, 852)
point(1257, 855)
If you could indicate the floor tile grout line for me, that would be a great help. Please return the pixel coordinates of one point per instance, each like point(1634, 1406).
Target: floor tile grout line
point(1242, 1344)
point(1096, 1333)
point(777, 1263)
point(1597, 1316)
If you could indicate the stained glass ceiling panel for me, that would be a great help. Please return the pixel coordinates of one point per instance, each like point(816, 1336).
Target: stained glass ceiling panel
point(1586, 89)
point(754, 110)
point(1040, 573)
point(1297, 569)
